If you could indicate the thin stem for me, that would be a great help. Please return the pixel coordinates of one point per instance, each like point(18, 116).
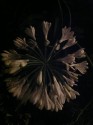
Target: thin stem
point(44, 69)
point(33, 64)
point(59, 75)
point(32, 57)
point(32, 41)
point(35, 51)
point(61, 11)
point(56, 53)
point(68, 12)
point(81, 113)
point(40, 52)
point(52, 50)
point(62, 17)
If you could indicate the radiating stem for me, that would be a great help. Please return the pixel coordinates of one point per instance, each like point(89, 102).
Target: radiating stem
point(38, 54)
point(56, 53)
point(56, 44)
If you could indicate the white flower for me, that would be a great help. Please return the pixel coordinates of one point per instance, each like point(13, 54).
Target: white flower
point(43, 73)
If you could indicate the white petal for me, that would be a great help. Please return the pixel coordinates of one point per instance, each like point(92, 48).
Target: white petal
point(39, 78)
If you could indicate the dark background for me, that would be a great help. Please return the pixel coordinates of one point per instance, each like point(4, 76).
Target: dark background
point(14, 17)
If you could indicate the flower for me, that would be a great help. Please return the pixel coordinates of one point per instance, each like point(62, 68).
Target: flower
point(44, 73)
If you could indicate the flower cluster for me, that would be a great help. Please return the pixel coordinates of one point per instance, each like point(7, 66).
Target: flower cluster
point(43, 72)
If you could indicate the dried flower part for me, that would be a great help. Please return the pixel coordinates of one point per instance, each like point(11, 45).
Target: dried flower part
point(31, 32)
point(46, 27)
point(43, 76)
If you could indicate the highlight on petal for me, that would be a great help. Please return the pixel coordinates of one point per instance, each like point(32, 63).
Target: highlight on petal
point(40, 78)
point(57, 46)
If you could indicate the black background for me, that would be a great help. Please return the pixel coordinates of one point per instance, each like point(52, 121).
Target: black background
point(14, 15)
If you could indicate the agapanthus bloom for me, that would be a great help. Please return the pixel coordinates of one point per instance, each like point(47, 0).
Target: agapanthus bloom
point(43, 71)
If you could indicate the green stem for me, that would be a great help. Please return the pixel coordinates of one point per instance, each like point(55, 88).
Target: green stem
point(52, 50)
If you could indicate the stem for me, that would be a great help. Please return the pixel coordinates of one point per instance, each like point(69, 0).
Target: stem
point(61, 11)
point(81, 113)
point(35, 51)
point(68, 12)
point(52, 50)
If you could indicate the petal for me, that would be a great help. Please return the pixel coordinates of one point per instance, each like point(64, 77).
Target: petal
point(70, 43)
point(66, 34)
point(31, 32)
point(36, 95)
point(81, 67)
point(69, 81)
point(68, 59)
point(46, 27)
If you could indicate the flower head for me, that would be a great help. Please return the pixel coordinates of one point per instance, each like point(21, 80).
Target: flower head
point(43, 73)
